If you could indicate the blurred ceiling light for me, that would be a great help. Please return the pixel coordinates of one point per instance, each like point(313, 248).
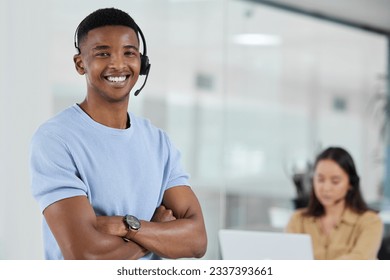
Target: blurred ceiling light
point(257, 39)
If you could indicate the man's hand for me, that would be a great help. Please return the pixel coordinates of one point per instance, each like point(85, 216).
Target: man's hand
point(163, 214)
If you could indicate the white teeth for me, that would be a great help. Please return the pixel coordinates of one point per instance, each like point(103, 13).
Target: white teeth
point(116, 79)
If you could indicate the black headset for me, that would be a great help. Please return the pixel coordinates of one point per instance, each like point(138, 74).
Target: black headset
point(145, 65)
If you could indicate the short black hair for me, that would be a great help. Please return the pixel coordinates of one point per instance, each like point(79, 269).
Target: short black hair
point(103, 17)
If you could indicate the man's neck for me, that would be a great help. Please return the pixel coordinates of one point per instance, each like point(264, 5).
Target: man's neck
point(114, 116)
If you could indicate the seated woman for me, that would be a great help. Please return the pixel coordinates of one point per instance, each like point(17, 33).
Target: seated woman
point(338, 220)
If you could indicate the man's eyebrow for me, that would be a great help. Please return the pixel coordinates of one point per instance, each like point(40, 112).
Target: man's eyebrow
point(101, 47)
point(105, 47)
point(130, 47)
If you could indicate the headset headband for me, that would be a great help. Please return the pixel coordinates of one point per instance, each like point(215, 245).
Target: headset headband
point(76, 43)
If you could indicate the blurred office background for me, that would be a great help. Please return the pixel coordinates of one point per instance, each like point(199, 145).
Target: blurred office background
point(248, 90)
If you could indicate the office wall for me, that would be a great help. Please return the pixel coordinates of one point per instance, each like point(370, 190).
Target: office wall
point(244, 116)
point(25, 101)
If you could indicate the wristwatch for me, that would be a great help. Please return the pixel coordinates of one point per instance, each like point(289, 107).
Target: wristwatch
point(132, 225)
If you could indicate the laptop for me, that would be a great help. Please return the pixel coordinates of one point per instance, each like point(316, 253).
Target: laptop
point(264, 245)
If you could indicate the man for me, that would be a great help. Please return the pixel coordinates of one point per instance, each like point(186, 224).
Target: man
point(110, 184)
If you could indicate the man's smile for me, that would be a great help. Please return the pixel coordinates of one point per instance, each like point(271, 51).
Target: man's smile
point(116, 79)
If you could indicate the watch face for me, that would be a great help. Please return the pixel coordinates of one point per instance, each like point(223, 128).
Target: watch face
point(133, 222)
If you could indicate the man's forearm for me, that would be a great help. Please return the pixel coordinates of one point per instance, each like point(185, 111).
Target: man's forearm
point(113, 225)
point(181, 238)
point(75, 227)
point(173, 239)
point(176, 229)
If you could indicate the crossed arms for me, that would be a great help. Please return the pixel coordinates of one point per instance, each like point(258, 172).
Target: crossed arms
point(176, 230)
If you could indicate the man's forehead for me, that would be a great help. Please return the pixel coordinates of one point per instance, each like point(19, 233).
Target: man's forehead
point(111, 34)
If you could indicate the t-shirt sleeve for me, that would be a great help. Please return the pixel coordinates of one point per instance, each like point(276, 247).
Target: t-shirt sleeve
point(176, 176)
point(54, 175)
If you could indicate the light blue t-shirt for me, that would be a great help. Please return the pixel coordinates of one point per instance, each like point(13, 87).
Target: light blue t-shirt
point(121, 171)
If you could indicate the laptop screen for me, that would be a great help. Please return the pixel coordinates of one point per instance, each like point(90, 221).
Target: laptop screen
point(260, 245)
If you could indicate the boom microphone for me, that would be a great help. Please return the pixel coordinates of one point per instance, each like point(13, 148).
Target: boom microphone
point(146, 78)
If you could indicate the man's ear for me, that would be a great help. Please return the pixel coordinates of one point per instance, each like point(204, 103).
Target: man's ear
point(78, 63)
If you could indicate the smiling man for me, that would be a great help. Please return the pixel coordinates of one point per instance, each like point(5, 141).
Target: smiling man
point(110, 185)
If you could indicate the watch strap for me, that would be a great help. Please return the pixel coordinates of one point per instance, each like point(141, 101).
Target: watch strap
point(130, 234)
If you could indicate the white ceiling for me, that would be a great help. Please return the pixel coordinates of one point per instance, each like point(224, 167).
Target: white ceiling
point(373, 14)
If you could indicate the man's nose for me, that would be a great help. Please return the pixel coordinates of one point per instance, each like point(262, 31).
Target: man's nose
point(117, 61)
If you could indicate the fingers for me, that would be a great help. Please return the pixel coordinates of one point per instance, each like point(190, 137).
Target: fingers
point(162, 214)
point(161, 208)
point(169, 215)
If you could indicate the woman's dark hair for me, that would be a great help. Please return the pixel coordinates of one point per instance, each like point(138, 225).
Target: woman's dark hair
point(354, 199)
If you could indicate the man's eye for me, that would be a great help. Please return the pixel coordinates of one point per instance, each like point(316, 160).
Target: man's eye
point(103, 54)
point(129, 53)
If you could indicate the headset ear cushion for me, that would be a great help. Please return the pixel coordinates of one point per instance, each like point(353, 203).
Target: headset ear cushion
point(145, 65)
